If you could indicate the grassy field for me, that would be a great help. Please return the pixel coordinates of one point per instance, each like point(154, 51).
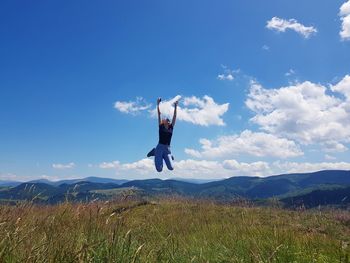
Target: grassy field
point(171, 230)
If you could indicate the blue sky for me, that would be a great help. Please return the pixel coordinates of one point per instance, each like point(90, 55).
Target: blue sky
point(269, 81)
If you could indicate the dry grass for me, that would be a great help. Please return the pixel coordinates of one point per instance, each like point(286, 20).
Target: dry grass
point(170, 230)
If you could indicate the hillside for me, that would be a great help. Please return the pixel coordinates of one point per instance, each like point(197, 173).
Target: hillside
point(171, 231)
point(338, 196)
point(241, 187)
point(248, 187)
point(264, 187)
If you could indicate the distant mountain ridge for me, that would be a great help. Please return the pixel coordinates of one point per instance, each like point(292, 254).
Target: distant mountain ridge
point(289, 188)
point(9, 183)
point(92, 179)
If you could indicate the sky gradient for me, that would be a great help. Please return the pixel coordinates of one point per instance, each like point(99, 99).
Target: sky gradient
point(264, 87)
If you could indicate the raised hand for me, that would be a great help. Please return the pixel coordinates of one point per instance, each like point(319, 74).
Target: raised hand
point(175, 113)
point(158, 110)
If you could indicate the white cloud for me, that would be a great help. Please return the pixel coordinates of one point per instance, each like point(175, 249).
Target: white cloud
point(254, 168)
point(345, 31)
point(334, 146)
point(290, 72)
point(193, 152)
point(206, 169)
point(343, 87)
point(345, 9)
point(27, 177)
point(109, 165)
point(281, 25)
point(344, 13)
point(200, 111)
point(252, 143)
point(132, 107)
point(265, 47)
point(228, 74)
point(63, 166)
point(294, 167)
point(329, 157)
point(188, 168)
point(220, 169)
point(142, 166)
point(10, 177)
point(199, 169)
point(304, 112)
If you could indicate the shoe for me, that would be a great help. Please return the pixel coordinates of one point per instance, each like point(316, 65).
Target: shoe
point(151, 153)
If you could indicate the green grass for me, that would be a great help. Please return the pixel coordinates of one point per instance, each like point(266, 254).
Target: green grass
point(117, 191)
point(171, 230)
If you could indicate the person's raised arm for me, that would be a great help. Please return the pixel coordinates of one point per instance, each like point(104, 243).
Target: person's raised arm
point(158, 110)
point(175, 112)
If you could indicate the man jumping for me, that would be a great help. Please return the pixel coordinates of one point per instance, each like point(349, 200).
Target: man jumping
point(162, 150)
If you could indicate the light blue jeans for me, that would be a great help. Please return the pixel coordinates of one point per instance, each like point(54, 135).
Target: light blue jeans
point(163, 152)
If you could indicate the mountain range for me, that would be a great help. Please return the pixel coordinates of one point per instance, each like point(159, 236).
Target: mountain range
point(91, 179)
point(328, 187)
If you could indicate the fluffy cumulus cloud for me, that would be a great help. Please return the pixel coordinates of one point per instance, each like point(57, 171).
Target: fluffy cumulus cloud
point(142, 166)
point(258, 144)
point(254, 168)
point(343, 87)
point(132, 107)
point(188, 168)
point(305, 167)
point(63, 166)
point(305, 112)
point(200, 111)
point(281, 25)
point(210, 169)
point(344, 14)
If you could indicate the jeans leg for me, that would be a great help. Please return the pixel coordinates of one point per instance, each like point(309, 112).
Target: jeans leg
point(151, 152)
point(168, 159)
point(158, 158)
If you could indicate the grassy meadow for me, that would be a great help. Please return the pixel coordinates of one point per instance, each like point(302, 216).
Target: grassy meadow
point(171, 230)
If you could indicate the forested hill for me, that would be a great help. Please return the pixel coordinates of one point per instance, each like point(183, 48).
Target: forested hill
point(323, 187)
